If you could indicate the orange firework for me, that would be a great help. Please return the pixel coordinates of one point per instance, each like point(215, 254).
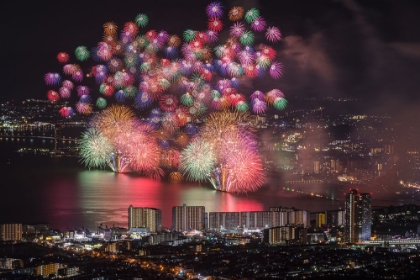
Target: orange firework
point(176, 176)
point(110, 28)
point(182, 139)
point(174, 41)
point(236, 13)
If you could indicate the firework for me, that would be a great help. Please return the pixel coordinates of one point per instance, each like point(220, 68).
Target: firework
point(176, 176)
point(214, 10)
point(82, 53)
point(251, 15)
point(65, 92)
point(276, 70)
point(63, 57)
point(180, 80)
point(101, 103)
point(52, 95)
point(197, 160)
point(258, 24)
point(247, 38)
point(110, 28)
point(273, 34)
point(52, 79)
point(236, 13)
point(94, 149)
point(280, 103)
point(66, 112)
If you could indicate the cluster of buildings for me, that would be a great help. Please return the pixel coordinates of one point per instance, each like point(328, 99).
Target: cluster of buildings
point(278, 225)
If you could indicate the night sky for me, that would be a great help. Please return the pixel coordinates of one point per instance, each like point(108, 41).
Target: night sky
point(343, 48)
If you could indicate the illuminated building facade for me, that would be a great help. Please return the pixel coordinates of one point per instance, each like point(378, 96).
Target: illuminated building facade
point(285, 235)
point(358, 216)
point(139, 217)
point(185, 218)
point(276, 216)
point(10, 232)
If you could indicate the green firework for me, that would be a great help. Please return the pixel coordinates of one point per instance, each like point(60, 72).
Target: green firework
point(94, 149)
point(130, 91)
point(242, 106)
point(247, 38)
point(280, 103)
point(197, 160)
point(186, 99)
point(189, 35)
point(251, 14)
point(82, 53)
point(142, 20)
point(101, 103)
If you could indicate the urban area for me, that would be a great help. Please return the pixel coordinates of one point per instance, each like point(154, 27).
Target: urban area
point(358, 240)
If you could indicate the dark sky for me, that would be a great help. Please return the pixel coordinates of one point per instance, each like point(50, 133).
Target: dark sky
point(349, 48)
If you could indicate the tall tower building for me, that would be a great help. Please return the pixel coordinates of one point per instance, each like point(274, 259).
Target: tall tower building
point(150, 218)
point(358, 216)
point(186, 217)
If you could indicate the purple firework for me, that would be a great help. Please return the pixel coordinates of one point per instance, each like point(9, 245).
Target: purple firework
point(258, 24)
point(276, 70)
point(214, 10)
point(52, 79)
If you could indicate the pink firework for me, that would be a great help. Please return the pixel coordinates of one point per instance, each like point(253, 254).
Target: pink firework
point(104, 51)
point(52, 79)
point(65, 92)
point(276, 70)
point(258, 106)
point(223, 84)
point(258, 24)
point(215, 24)
point(246, 57)
point(69, 69)
point(206, 74)
point(63, 57)
point(52, 95)
point(273, 94)
point(273, 34)
point(246, 171)
point(214, 10)
point(237, 29)
point(168, 102)
point(82, 90)
point(68, 84)
point(83, 108)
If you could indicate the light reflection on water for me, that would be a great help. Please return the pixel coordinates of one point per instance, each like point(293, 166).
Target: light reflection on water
point(63, 193)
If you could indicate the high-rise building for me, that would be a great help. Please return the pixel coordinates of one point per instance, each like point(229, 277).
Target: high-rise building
point(150, 218)
point(10, 232)
point(358, 216)
point(185, 218)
